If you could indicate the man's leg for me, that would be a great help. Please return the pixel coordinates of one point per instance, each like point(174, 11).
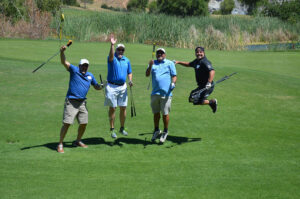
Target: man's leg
point(156, 119)
point(81, 130)
point(63, 132)
point(122, 120)
point(166, 119)
point(122, 115)
point(112, 116)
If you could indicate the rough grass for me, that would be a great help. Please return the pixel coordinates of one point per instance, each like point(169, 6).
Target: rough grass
point(248, 149)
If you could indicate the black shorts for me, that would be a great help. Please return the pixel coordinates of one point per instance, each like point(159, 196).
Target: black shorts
point(197, 99)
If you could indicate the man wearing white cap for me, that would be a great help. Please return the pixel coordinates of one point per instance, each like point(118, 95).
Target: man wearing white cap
point(119, 68)
point(75, 102)
point(163, 73)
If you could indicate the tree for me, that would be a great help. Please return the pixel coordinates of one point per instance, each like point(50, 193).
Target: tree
point(183, 7)
point(137, 5)
point(287, 10)
point(227, 6)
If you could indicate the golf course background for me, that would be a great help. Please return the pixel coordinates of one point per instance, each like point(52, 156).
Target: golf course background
point(248, 149)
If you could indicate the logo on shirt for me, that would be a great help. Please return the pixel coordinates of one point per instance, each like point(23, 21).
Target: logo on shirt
point(89, 77)
point(198, 66)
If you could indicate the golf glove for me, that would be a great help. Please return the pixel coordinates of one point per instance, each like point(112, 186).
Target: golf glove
point(130, 83)
point(172, 86)
point(208, 85)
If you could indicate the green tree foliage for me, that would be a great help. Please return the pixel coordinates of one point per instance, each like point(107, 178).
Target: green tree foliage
point(227, 6)
point(253, 5)
point(13, 9)
point(153, 7)
point(137, 5)
point(183, 7)
point(48, 5)
point(287, 10)
point(71, 2)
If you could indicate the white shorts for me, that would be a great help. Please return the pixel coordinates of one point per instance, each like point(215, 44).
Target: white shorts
point(115, 95)
point(161, 104)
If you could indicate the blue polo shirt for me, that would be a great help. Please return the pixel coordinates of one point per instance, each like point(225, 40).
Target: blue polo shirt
point(118, 69)
point(162, 72)
point(79, 83)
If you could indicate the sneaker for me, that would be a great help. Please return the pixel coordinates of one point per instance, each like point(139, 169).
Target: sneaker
point(163, 137)
point(214, 105)
point(155, 134)
point(123, 132)
point(79, 144)
point(60, 148)
point(113, 134)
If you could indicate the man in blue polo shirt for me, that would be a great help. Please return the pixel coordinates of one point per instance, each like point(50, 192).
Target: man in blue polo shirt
point(163, 73)
point(119, 68)
point(75, 103)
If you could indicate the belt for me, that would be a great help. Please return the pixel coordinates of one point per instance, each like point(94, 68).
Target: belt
point(116, 83)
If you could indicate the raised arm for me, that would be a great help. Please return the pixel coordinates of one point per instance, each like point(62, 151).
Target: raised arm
point(148, 71)
point(63, 58)
point(186, 64)
point(112, 49)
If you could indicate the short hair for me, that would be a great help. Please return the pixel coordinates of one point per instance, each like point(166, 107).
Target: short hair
point(199, 47)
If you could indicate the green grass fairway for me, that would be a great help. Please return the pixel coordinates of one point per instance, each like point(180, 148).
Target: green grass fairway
point(249, 149)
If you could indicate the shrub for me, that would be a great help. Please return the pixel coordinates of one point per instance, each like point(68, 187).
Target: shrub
point(137, 5)
point(227, 6)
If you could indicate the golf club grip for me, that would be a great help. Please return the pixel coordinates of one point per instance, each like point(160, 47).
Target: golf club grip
point(69, 43)
point(131, 111)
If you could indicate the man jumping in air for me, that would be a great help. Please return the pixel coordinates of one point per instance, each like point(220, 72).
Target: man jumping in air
point(204, 73)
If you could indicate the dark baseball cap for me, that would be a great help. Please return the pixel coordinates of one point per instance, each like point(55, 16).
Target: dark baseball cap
point(199, 47)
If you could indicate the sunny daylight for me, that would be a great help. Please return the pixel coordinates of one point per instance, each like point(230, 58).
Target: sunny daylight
point(150, 99)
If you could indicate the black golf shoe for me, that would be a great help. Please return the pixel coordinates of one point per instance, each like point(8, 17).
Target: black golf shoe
point(213, 105)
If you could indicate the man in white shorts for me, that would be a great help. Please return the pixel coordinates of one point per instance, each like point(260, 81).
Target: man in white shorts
point(119, 68)
point(163, 73)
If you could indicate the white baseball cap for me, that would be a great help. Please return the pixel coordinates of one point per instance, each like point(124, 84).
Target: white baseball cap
point(84, 61)
point(120, 46)
point(161, 49)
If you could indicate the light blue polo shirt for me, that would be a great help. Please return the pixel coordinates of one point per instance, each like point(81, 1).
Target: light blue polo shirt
point(118, 69)
point(162, 72)
point(79, 83)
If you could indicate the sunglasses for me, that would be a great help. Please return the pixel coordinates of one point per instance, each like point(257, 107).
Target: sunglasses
point(85, 65)
point(121, 50)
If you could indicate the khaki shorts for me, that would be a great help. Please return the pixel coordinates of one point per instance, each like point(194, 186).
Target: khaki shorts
point(75, 108)
point(161, 104)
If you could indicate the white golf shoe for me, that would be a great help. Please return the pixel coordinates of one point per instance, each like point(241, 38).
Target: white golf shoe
point(163, 137)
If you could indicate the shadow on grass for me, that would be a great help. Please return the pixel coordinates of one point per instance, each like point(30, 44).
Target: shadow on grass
point(118, 142)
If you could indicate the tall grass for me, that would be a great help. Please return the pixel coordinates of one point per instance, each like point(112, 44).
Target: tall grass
point(222, 32)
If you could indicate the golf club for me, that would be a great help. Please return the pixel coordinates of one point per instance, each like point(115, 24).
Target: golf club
point(153, 54)
point(101, 83)
point(198, 93)
point(40, 66)
point(132, 107)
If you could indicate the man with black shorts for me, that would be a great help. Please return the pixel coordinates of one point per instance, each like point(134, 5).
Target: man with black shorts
point(204, 73)
point(75, 102)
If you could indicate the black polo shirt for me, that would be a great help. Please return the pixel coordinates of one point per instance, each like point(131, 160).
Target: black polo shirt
point(202, 68)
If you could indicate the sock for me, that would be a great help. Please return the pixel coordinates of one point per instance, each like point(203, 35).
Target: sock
point(111, 129)
point(166, 130)
point(211, 101)
point(156, 129)
point(121, 129)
